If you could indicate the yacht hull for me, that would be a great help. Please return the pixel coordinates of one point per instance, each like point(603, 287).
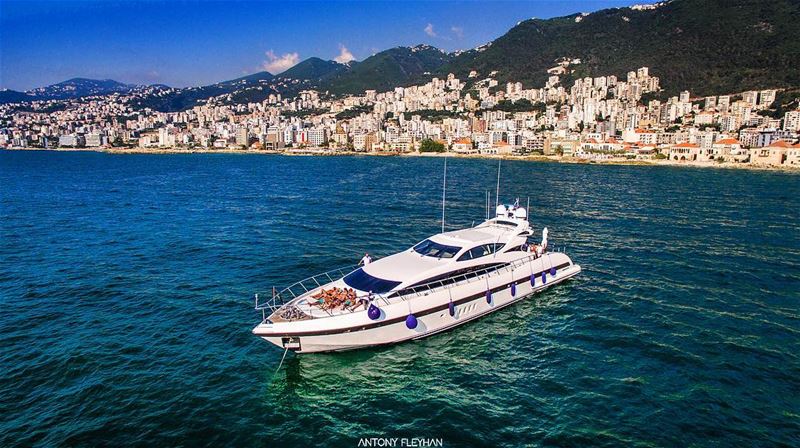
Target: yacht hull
point(432, 314)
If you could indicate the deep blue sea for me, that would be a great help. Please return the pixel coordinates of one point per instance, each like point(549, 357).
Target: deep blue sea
point(126, 287)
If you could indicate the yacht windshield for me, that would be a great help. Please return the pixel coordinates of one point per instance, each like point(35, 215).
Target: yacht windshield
point(506, 223)
point(436, 250)
point(360, 280)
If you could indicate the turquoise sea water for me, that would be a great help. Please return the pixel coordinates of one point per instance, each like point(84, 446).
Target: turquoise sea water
point(126, 310)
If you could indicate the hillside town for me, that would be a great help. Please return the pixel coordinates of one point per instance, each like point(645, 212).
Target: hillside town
point(597, 119)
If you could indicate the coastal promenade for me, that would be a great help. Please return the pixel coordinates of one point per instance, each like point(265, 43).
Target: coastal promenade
point(332, 153)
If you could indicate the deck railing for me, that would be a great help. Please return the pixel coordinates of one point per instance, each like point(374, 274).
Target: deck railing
point(469, 277)
point(278, 299)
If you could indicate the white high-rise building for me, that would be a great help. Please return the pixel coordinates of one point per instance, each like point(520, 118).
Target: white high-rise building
point(750, 97)
point(93, 140)
point(723, 103)
point(242, 137)
point(317, 136)
point(791, 121)
point(766, 97)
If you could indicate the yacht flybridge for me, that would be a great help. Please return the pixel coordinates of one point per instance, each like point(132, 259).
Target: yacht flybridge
point(444, 281)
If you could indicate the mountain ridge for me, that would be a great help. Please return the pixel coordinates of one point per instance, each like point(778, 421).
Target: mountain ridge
point(705, 46)
point(315, 69)
point(388, 69)
point(81, 87)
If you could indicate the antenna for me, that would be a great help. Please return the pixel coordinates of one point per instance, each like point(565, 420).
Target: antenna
point(528, 209)
point(497, 193)
point(444, 189)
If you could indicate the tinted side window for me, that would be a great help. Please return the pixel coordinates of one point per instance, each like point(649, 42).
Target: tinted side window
point(475, 252)
point(480, 251)
point(492, 248)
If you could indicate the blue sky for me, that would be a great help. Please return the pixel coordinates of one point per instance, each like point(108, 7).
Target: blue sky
point(185, 43)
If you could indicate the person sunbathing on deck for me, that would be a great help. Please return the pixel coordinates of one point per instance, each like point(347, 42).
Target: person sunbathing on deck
point(336, 298)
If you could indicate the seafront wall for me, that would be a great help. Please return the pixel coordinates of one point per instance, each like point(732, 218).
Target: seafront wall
point(530, 158)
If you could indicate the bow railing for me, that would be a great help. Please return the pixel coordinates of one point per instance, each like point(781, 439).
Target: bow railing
point(298, 289)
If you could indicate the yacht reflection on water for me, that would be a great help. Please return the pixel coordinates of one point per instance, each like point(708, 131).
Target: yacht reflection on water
point(444, 281)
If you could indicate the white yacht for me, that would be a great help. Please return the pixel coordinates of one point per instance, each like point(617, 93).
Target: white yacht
point(444, 281)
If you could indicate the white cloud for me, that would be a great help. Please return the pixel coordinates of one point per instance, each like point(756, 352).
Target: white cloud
point(458, 31)
point(344, 55)
point(429, 30)
point(277, 64)
point(153, 76)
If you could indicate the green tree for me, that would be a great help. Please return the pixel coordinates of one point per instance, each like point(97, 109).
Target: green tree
point(429, 145)
point(521, 105)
